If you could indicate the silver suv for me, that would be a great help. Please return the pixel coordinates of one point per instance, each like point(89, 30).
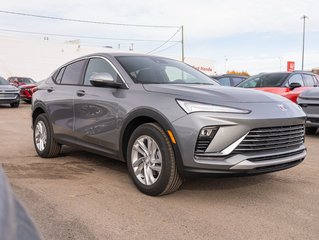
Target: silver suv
point(165, 119)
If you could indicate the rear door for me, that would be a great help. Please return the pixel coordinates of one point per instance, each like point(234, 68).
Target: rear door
point(97, 112)
point(60, 97)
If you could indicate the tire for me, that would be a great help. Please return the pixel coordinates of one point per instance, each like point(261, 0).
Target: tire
point(311, 130)
point(15, 104)
point(49, 147)
point(27, 101)
point(162, 157)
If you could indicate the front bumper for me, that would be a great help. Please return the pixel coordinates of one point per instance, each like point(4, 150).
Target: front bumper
point(232, 130)
point(311, 108)
point(9, 98)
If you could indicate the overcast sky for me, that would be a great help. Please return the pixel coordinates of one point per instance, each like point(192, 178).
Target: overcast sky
point(252, 35)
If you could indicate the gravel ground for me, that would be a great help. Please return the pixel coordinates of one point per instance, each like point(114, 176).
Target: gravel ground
point(80, 195)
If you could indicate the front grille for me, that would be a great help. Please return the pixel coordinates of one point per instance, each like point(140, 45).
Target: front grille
point(262, 139)
point(7, 95)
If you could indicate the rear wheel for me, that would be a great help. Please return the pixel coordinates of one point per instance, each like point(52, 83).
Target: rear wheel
point(151, 161)
point(44, 142)
point(311, 130)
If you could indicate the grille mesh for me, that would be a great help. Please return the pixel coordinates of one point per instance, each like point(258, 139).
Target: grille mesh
point(261, 139)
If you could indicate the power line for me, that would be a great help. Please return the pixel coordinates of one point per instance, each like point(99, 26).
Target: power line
point(88, 37)
point(86, 21)
point(164, 42)
point(166, 48)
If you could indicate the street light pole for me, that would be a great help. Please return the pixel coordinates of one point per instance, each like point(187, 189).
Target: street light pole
point(304, 17)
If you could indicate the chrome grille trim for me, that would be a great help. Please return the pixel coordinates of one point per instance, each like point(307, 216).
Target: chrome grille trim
point(272, 138)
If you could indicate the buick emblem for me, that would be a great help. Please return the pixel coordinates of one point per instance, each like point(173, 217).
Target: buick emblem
point(282, 107)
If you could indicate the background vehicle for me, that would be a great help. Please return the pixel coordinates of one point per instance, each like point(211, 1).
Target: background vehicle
point(27, 90)
point(229, 79)
point(19, 81)
point(9, 94)
point(309, 101)
point(286, 84)
point(165, 120)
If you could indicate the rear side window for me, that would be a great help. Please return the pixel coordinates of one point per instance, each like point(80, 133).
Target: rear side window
point(224, 81)
point(59, 77)
point(237, 80)
point(73, 73)
point(308, 80)
point(99, 65)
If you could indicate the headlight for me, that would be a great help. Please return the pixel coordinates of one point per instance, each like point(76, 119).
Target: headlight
point(190, 107)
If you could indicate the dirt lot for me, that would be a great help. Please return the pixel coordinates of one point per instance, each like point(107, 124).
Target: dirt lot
point(84, 196)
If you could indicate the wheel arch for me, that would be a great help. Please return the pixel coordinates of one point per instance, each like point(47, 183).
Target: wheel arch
point(37, 110)
point(141, 116)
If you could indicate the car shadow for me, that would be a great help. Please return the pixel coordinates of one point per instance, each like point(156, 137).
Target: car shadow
point(190, 183)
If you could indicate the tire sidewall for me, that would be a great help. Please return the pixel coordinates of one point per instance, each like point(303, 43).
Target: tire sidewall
point(160, 185)
point(44, 119)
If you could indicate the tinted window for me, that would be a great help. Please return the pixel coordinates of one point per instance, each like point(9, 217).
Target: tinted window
point(237, 80)
point(147, 69)
point(98, 65)
point(296, 78)
point(308, 80)
point(73, 73)
point(59, 77)
point(224, 81)
point(265, 80)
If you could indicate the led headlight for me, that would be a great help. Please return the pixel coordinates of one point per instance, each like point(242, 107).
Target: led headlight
point(190, 107)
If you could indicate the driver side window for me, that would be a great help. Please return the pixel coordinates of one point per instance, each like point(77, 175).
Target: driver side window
point(296, 78)
point(98, 65)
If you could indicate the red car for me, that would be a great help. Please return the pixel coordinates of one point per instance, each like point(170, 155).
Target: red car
point(26, 92)
point(286, 84)
point(19, 81)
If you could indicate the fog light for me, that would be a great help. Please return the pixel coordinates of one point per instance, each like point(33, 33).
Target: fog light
point(206, 132)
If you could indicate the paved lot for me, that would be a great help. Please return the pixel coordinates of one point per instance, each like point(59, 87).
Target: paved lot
point(84, 196)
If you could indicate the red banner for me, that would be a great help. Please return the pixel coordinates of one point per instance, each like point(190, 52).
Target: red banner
point(290, 66)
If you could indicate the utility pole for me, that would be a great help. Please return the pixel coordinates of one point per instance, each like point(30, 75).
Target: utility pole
point(304, 17)
point(182, 31)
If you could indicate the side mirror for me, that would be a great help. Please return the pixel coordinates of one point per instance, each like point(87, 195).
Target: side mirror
point(294, 85)
point(104, 80)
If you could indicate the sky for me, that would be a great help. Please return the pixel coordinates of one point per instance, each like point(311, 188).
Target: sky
point(250, 35)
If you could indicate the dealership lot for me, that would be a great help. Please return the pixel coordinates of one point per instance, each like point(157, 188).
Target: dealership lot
point(84, 196)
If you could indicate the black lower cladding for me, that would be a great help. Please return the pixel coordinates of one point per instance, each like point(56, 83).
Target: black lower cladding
point(198, 172)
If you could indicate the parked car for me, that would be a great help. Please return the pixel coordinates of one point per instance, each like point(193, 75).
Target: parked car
point(286, 84)
point(229, 79)
point(19, 81)
point(26, 91)
point(165, 119)
point(9, 94)
point(309, 101)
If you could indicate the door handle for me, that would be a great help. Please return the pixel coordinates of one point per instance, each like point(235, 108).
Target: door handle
point(80, 93)
point(50, 89)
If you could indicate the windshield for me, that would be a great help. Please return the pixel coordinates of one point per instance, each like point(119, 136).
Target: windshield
point(156, 70)
point(26, 80)
point(264, 80)
point(3, 81)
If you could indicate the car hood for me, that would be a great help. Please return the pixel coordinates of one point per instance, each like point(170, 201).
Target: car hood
point(312, 93)
point(214, 94)
point(8, 87)
point(31, 85)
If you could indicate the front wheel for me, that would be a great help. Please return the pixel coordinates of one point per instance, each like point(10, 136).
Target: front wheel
point(44, 143)
point(15, 104)
point(151, 161)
